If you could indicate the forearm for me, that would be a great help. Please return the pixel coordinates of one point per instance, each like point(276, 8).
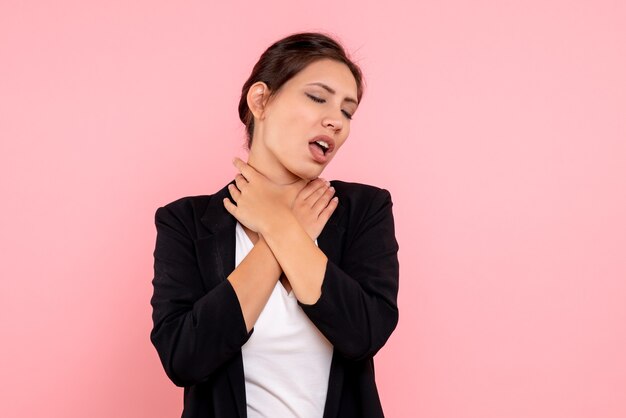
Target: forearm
point(253, 281)
point(356, 317)
point(358, 308)
point(299, 258)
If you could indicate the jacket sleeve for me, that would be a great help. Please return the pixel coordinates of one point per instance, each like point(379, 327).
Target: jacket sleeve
point(195, 330)
point(357, 310)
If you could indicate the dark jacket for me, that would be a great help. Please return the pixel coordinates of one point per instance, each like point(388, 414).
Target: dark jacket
point(198, 324)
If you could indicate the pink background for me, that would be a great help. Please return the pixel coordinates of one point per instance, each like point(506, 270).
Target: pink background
point(498, 127)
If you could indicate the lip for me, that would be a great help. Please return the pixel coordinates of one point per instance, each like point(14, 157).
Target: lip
point(328, 140)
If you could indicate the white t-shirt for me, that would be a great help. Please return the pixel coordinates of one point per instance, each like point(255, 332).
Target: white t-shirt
point(287, 360)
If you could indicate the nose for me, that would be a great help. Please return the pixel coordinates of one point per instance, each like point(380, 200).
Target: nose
point(333, 121)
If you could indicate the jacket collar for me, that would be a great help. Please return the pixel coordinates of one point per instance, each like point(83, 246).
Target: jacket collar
point(216, 217)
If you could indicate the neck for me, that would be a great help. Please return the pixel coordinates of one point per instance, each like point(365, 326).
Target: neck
point(266, 163)
point(273, 170)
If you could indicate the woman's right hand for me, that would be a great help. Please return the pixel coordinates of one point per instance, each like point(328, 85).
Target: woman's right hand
point(314, 205)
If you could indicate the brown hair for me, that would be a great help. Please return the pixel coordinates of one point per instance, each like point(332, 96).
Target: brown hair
point(287, 57)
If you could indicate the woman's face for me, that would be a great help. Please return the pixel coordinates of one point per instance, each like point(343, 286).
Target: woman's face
point(306, 122)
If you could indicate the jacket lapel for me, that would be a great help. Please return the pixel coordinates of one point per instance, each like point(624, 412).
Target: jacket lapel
point(330, 240)
point(216, 244)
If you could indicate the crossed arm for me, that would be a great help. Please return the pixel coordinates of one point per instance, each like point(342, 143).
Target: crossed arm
point(287, 231)
point(353, 304)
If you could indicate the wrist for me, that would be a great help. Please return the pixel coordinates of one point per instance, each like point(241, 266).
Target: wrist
point(279, 220)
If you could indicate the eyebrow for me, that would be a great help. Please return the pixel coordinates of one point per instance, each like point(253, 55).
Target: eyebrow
point(332, 91)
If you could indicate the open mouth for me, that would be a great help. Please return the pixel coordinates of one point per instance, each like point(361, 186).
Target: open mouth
point(322, 145)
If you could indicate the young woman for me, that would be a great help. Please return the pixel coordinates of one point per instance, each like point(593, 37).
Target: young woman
point(272, 295)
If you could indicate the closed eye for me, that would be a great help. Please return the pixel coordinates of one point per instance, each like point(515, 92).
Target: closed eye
point(318, 100)
point(315, 99)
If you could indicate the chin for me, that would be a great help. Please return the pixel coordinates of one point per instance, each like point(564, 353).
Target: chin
point(308, 174)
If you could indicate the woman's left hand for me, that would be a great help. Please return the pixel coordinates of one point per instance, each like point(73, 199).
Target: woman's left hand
point(259, 201)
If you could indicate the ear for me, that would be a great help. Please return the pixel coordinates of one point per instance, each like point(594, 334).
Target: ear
point(258, 95)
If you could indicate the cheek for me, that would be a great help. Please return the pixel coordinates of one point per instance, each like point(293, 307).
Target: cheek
point(340, 144)
point(290, 124)
point(286, 117)
point(346, 133)
point(296, 126)
point(300, 118)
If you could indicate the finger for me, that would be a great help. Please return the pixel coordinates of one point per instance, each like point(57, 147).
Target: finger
point(328, 210)
point(313, 200)
point(234, 192)
point(230, 207)
point(323, 200)
point(316, 193)
point(241, 181)
point(310, 188)
point(245, 170)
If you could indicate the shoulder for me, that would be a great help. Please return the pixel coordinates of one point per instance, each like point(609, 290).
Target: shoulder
point(361, 204)
point(188, 210)
point(187, 204)
point(359, 193)
point(185, 207)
